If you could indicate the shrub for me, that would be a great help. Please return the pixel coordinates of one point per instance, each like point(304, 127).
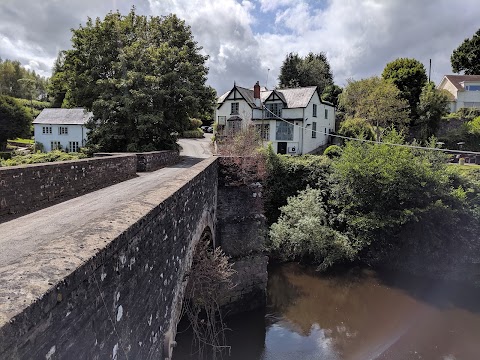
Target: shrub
point(197, 133)
point(333, 151)
point(39, 157)
point(357, 128)
point(195, 124)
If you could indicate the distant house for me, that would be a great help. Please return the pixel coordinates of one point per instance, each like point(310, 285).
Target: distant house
point(464, 90)
point(295, 120)
point(62, 129)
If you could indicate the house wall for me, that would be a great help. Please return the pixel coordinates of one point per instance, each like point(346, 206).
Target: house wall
point(468, 97)
point(75, 133)
point(245, 111)
point(324, 125)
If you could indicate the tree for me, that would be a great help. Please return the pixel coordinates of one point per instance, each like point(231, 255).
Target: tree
point(467, 56)
point(142, 77)
point(313, 70)
point(16, 81)
point(58, 85)
point(14, 120)
point(376, 100)
point(331, 93)
point(432, 107)
point(409, 77)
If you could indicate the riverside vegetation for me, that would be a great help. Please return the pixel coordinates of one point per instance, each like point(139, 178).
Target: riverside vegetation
point(368, 202)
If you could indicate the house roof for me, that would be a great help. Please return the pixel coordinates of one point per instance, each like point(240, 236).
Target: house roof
point(456, 80)
point(294, 98)
point(76, 116)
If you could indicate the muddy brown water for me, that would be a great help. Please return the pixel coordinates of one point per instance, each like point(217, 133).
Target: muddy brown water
point(355, 314)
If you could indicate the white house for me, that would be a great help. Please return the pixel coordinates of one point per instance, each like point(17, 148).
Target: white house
point(295, 120)
point(464, 90)
point(62, 129)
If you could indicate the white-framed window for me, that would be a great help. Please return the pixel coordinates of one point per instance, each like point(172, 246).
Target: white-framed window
point(314, 130)
point(73, 146)
point(46, 129)
point(235, 108)
point(273, 110)
point(284, 131)
point(326, 113)
point(314, 110)
point(55, 145)
point(472, 87)
point(62, 130)
point(234, 125)
point(263, 130)
point(222, 120)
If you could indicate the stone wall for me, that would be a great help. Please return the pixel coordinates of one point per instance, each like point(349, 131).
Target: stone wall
point(241, 232)
point(151, 161)
point(122, 296)
point(28, 187)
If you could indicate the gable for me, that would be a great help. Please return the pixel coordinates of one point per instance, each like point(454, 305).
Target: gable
point(237, 94)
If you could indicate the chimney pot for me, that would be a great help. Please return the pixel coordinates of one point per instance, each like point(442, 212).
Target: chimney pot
point(256, 90)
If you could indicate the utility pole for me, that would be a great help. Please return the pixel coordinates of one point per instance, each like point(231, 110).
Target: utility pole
point(429, 71)
point(266, 84)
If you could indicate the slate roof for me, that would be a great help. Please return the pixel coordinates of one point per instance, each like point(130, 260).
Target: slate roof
point(456, 80)
point(63, 116)
point(294, 98)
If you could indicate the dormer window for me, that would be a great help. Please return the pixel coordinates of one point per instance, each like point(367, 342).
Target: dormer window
point(273, 110)
point(235, 108)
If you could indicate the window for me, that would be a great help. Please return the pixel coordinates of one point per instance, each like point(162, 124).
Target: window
point(63, 130)
point(73, 146)
point(235, 108)
point(472, 87)
point(221, 120)
point(273, 110)
point(46, 130)
point(314, 130)
point(284, 131)
point(472, 104)
point(314, 110)
point(55, 145)
point(220, 130)
point(326, 113)
point(263, 130)
point(233, 126)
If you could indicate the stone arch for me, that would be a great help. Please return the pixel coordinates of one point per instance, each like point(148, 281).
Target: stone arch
point(205, 229)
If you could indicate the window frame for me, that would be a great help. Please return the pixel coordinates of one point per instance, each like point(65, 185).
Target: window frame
point(234, 111)
point(284, 135)
point(314, 130)
point(314, 110)
point(46, 130)
point(63, 130)
point(326, 113)
point(73, 145)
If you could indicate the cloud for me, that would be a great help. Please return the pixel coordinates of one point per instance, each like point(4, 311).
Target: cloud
point(245, 38)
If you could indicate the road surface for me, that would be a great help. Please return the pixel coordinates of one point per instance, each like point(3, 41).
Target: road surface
point(199, 148)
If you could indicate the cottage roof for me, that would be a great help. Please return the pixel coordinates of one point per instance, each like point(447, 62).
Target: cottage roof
point(294, 98)
point(457, 80)
point(76, 116)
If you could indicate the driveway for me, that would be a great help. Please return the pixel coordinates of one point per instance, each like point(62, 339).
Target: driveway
point(197, 148)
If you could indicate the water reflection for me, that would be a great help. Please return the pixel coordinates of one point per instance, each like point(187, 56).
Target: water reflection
point(358, 314)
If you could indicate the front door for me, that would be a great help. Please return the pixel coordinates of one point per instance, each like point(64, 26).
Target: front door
point(282, 148)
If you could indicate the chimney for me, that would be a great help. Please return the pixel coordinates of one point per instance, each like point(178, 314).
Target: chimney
point(256, 93)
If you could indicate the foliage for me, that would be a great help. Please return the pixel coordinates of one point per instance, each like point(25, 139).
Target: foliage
point(432, 107)
point(303, 231)
point(39, 157)
point(371, 207)
point(14, 120)
point(16, 81)
point(195, 124)
point(312, 70)
point(331, 93)
point(462, 128)
point(473, 126)
point(376, 100)
point(357, 128)
point(409, 77)
point(467, 56)
point(196, 133)
point(287, 175)
point(58, 84)
point(143, 78)
point(333, 151)
point(34, 107)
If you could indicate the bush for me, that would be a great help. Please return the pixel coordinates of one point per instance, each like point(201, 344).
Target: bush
point(357, 128)
point(333, 151)
point(197, 133)
point(39, 157)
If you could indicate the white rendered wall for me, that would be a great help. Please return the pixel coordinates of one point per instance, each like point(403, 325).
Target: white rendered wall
point(75, 133)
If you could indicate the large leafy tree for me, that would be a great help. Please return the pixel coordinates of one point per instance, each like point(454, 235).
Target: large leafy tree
point(409, 77)
point(16, 81)
point(312, 70)
point(331, 93)
point(14, 120)
point(467, 56)
point(376, 100)
point(143, 78)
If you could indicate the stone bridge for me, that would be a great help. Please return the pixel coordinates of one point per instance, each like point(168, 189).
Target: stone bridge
point(102, 275)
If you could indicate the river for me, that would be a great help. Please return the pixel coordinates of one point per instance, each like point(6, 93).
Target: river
point(354, 314)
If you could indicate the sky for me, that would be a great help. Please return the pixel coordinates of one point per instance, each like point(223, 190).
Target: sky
point(248, 40)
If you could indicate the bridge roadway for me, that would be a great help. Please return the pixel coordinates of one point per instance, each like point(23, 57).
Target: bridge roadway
point(35, 246)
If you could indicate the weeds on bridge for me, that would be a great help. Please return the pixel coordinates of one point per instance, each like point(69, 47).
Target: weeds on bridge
point(209, 281)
